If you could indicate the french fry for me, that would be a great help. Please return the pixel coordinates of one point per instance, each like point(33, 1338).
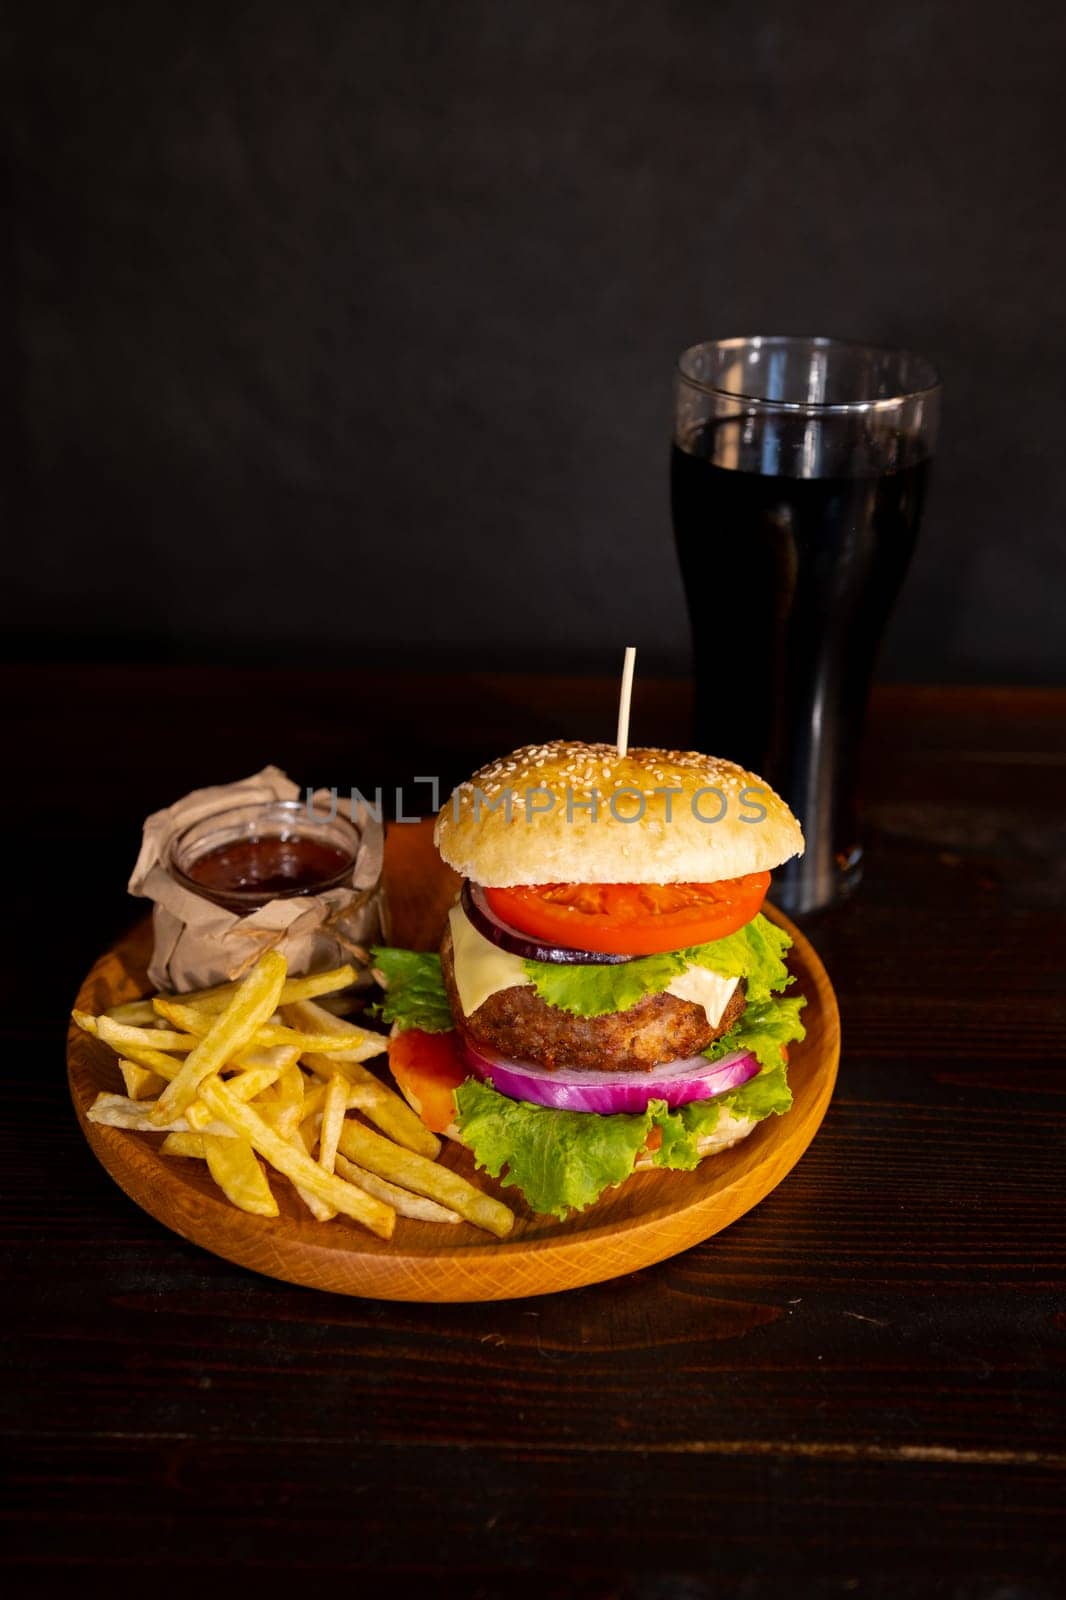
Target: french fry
point(403, 1201)
point(386, 1160)
point(358, 1044)
point(185, 1144)
point(197, 1116)
point(233, 1165)
point(261, 1068)
point(288, 1110)
point(277, 1033)
point(268, 1106)
point(380, 1105)
point(294, 989)
point(196, 1021)
point(318, 1208)
point(137, 1013)
point(297, 1165)
point(363, 1097)
point(281, 1105)
point(141, 1013)
point(267, 1061)
point(133, 1014)
point(157, 1061)
point(120, 1035)
point(141, 1083)
point(318, 983)
point(118, 1111)
point(314, 1095)
point(253, 1001)
point(193, 1019)
point(334, 1106)
point(264, 1068)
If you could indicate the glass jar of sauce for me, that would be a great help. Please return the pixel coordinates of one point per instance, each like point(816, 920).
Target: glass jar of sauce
point(244, 857)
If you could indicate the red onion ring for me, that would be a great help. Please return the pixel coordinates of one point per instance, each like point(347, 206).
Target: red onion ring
point(604, 1093)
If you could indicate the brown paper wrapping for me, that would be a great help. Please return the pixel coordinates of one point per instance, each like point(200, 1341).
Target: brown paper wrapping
point(198, 943)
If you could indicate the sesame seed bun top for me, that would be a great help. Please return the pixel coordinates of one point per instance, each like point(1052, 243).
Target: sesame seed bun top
point(567, 812)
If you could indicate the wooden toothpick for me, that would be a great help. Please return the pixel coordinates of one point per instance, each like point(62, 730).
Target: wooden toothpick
point(624, 699)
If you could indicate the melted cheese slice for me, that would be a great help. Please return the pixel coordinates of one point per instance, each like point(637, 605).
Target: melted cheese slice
point(704, 988)
point(482, 970)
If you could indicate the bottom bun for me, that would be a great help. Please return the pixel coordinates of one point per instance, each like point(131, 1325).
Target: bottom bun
point(730, 1131)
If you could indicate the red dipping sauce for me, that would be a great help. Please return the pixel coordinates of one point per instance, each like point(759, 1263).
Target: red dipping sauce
point(243, 858)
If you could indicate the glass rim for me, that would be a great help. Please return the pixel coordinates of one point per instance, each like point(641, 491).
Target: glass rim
point(287, 826)
point(819, 341)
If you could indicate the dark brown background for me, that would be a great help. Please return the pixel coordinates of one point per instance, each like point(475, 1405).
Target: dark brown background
point(346, 328)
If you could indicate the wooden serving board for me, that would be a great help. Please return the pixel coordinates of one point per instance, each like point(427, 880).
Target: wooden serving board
point(652, 1216)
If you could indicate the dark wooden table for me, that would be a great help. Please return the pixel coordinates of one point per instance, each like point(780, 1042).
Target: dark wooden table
point(855, 1389)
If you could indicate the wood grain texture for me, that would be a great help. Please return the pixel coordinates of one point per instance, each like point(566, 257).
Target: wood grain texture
point(650, 1218)
point(857, 1388)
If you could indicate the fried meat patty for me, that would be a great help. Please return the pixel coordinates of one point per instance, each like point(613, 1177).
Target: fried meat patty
point(518, 1023)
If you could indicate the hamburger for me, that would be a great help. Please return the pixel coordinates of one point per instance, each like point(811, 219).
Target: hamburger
point(607, 996)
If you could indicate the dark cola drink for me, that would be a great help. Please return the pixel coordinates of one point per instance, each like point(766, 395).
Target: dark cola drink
point(795, 524)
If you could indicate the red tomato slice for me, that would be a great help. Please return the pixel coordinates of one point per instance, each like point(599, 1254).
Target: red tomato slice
point(632, 919)
point(427, 1068)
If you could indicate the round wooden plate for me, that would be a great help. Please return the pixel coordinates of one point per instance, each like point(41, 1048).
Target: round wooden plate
point(652, 1216)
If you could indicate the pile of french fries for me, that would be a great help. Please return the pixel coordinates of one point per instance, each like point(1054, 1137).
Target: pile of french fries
point(263, 1069)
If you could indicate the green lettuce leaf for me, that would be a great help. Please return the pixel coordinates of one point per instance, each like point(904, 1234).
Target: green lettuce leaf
point(754, 952)
point(562, 1161)
point(594, 990)
point(761, 1096)
point(680, 1132)
point(415, 996)
point(764, 1026)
